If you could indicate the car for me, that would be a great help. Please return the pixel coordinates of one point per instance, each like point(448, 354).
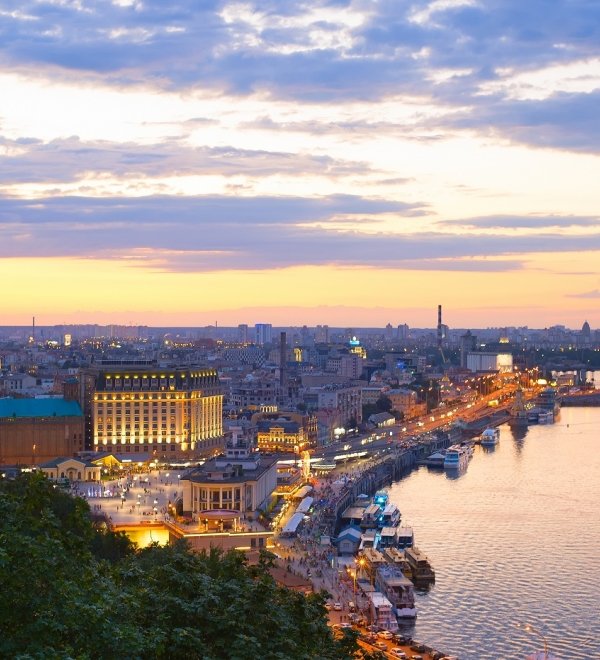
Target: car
point(401, 639)
point(328, 606)
point(418, 647)
point(382, 646)
point(372, 628)
point(385, 634)
point(345, 625)
point(398, 653)
point(416, 657)
point(337, 607)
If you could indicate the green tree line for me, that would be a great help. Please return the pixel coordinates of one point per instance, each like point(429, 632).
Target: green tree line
point(71, 589)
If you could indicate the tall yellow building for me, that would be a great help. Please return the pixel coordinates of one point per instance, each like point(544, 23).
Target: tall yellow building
point(169, 413)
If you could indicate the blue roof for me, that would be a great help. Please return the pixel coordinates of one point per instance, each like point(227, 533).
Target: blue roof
point(39, 408)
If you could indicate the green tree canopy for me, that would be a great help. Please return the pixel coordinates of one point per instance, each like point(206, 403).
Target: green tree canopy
point(70, 590)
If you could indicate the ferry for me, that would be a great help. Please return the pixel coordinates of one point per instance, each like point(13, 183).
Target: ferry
point(368, 539)
point(398, 559)
point(456, 457)
point(405, 537)
point(382, 613)
point(398, 589)
point(390, 516)
point(490, 437)
point(422, 572)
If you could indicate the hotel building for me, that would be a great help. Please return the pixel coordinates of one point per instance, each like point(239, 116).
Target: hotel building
point(172, 413)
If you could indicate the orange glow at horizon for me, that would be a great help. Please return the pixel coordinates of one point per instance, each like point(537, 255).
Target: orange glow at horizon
point(109, 291)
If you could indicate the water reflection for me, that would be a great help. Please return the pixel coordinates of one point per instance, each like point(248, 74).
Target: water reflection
point(501, 537)
point(518, 432)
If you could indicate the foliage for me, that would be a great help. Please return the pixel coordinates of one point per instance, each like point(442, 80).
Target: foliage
point(73, 591)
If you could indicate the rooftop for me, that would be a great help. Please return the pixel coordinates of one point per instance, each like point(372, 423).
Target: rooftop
point(39, 408)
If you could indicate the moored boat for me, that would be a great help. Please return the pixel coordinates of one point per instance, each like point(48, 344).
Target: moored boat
point(398, 589)
point(456, 457)
point(490, 437)
point(422, 573)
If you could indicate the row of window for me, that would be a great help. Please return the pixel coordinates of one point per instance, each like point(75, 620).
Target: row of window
point(109, 422)
point(136, 448)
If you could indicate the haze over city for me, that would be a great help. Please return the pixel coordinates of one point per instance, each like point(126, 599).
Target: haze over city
point(351, 163)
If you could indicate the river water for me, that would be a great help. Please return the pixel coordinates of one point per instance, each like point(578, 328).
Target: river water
point(514, 539)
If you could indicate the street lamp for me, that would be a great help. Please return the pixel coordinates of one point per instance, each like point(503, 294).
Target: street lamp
point(527, 627)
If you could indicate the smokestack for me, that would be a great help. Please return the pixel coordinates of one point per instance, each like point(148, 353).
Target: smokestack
point(439, 327)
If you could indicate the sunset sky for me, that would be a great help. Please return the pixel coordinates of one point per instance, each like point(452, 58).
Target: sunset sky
point(340, 162)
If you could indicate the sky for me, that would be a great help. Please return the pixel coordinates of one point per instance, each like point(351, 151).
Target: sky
point(344, 162)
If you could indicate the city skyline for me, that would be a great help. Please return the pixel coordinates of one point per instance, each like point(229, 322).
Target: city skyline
point(346, 163)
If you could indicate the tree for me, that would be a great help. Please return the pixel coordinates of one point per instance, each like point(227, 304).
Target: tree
point(70, 590)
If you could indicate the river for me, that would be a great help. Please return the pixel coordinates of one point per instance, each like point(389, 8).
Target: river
point(515, 539)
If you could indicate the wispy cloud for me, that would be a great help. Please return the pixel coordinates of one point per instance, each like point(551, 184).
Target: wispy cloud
point(592, 295)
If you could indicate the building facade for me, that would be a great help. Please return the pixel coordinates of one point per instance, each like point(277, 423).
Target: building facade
point(238, 481)
point(170, 413)
point(33, 431)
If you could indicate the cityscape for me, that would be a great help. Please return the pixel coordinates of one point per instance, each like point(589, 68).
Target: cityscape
point(257, 438)
point(299, 333)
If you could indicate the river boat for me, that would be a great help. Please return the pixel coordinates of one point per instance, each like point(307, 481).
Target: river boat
point(387, 538)
point(370, 517)
point(368, 539)
point(456, 458)
point(382, 612)
point(398, 559)
point(405, 537)
point(423, 573)
point(398, 589)
point(548, 399)
point(390, 516)
point(490, 437)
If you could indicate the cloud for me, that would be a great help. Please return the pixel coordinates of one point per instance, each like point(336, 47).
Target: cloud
point(223, 233)
point(70, 159)
point(525, 222)
point(587, 294)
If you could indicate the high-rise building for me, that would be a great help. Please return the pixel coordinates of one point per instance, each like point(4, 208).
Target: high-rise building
point(264, 333)
point(170, 413)
point(322, 334)
point(403, 332)
point(243, 333)
point(468, 343)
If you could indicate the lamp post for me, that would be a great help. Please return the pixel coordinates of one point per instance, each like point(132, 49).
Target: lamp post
point(527, 627)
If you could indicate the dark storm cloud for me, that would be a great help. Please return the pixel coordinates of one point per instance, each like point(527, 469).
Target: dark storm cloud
point(215, 233)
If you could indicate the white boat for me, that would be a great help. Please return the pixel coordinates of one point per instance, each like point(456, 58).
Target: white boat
point(390, 516)
point(490, 437)
point(398, 589)
point(456, 458)
point(382, 614)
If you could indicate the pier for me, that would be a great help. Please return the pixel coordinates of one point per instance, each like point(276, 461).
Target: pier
point(383, 471)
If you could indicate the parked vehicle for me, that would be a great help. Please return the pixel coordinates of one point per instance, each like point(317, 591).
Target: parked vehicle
point(398, 653)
